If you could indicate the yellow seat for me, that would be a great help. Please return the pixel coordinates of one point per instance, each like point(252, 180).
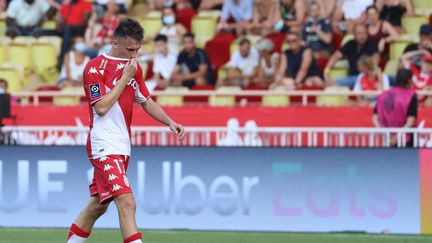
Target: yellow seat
point(44, 58)
point(56, 41)
point(204, 28)
point(346, 39)
point(210, 13)
point(2, 27)
point(73, 99)
point(49, 25)
point(391, 67)
point(172, 100)
point(225, 100)
point(20, 54)
point(154, 14)
point(3, 53)
point(338, 73)
point(25, 40)
point(333, 100)
point(275, 100)
point(411, 25)
point(12, 75)
point(422, 4)
point(397, 48)
point(151, 25)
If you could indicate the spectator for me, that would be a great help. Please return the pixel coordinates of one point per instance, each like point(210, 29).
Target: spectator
point(3, 86)
point(3, 5)
point(184, 4)
point(420, 64)
point(193, 65)
point(74, 18)
point(156, 4)
point(211, 4)
point(268, 63)
point(327, 7)
point(101, 7)
point(263, 10)
point(392, 11)
point(289, 15)
point(425, 42)
point(240, 11)
point(353, 50)
point(164, 61)
point(171, 28)
point(380, 31)
point(370, 78)
point(75, 61)
point(298, 66)
point(108, 24)
point(242, 66)
point(348, 14)
point(397, 107)
point(317, 32)
point(25, 17)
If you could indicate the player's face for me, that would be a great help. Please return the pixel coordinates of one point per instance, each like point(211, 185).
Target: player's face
point(126, 47)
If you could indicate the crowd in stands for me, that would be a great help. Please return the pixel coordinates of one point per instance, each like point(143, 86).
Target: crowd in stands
point(256, 44)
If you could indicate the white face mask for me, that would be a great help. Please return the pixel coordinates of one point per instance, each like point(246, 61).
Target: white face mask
point(278, 26)
point(80, 47)
point(2, 91)
point(169, 20)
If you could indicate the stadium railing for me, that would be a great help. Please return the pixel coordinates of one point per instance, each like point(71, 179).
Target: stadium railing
point(304, 94)
point(223, 136)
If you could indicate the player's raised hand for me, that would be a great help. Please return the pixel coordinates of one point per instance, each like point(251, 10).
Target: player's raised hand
point(178, 129)
point(130, 69)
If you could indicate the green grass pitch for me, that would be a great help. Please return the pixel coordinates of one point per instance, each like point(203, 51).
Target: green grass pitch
point(107, 236)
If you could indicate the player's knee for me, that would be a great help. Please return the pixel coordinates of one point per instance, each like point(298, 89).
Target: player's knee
point(126, 205)
point(97, 210)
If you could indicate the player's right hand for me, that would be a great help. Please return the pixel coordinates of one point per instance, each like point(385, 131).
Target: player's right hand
point(130, 69)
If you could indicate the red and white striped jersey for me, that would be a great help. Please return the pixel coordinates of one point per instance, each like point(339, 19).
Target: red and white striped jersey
point(110, 134)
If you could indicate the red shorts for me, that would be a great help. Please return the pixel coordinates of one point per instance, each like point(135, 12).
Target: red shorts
point(109, 178)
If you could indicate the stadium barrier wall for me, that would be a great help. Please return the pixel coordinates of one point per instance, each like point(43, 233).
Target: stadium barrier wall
point(251, 189)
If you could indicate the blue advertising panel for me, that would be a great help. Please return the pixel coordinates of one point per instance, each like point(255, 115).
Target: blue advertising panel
point(268, 189)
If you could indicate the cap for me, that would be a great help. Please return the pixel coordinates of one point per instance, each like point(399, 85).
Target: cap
point(426, 29)
point(265, 45)
point(427, 58)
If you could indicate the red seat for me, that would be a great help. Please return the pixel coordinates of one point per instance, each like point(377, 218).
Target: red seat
point(278, 40)
point(184, 16)
point(337, 40)
point(45, 99)
point(199, 99)
point(251, 99)
point(218, 50)
point(311, 99)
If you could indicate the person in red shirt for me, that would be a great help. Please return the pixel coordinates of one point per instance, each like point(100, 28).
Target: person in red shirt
point(112, 82)
point(420, 64)
point(74, 18)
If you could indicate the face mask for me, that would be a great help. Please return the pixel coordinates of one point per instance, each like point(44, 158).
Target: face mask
point(168, 20)
point(80, 47)
point(2, 91)
point(278, 26)
point(106, 48)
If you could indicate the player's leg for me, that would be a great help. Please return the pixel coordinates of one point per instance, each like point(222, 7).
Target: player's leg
point(81, 228)
point(126, 207)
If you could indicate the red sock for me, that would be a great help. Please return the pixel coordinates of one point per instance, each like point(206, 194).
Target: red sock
point(133, 237)
point(75, 230)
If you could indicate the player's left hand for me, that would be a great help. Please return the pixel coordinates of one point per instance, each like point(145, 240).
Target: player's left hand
point(178, 129)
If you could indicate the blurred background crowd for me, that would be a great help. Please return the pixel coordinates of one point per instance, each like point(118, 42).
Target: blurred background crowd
point(208, 44)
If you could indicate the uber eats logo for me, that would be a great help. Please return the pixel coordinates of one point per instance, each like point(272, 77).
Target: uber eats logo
point(183, 193)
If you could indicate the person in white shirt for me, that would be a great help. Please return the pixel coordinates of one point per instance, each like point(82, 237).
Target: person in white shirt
point(243, 66)
point(268, 63)
point(350, 13)
point(164, 61)
point(241, 11)
point(25, 17)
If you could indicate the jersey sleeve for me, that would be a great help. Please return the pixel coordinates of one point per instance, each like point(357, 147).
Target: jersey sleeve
point(94, 85)
point(142, 94)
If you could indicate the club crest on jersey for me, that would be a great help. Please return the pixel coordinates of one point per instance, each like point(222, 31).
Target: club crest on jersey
point(95, 91)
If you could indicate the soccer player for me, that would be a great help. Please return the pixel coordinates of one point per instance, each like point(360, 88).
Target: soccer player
point(112, 82)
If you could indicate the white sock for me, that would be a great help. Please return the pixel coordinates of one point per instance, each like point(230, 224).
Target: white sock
point(136, 241)
point(76, 239)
